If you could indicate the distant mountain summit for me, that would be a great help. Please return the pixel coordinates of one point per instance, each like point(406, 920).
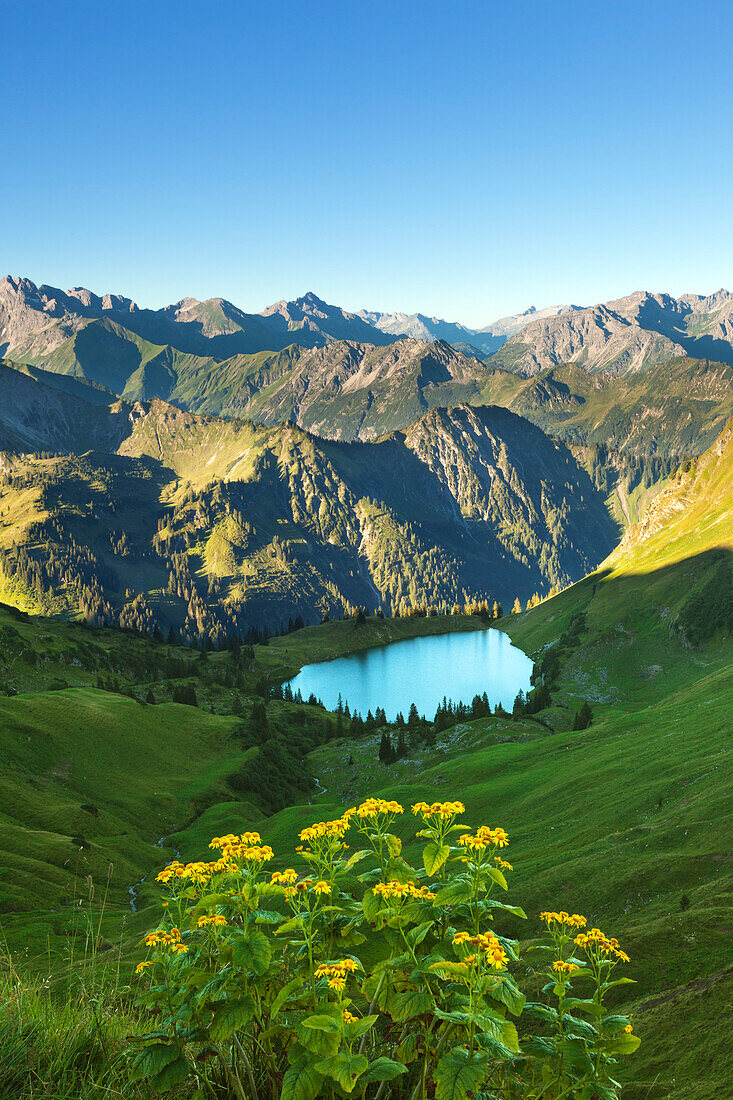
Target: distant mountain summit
point(625, 335)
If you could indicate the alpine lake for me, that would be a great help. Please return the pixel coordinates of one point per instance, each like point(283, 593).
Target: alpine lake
point(422, 671)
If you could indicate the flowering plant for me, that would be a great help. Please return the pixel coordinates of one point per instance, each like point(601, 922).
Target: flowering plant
point(369, 976)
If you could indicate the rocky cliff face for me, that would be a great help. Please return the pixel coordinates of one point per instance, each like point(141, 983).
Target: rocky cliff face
point(626, 335)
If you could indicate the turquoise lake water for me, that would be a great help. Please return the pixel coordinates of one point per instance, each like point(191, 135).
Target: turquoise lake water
point(421, 671)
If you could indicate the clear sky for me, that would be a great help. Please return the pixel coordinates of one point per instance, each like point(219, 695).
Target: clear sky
point(464, 159)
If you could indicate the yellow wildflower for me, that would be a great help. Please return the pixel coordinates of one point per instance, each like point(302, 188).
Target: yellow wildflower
point(562, 967)
point(321, 888)
point(373, 807)
point(141, 966)
point(214, 921)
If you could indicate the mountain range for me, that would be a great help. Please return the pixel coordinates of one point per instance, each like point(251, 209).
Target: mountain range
point(366, 465)
point(141, 513)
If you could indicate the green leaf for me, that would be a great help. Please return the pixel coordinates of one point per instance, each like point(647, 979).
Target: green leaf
point(622, 1044)
point(495, 874)
point(448, 969)
point(344, 1068)
point(153, 1059)
point(615, 1022)
point(292, 925)
point(454, 894)
point(509, 1036)
point(459, 1073)
point(283, 995)
point(231, 1017)
point(394, 844)
point(507, 991)
point(267, 916)
point(434, 856)
point(515, 910)
point(302, 1081)
point(370, 905)
point(252, 951)
point(322, 1023)
point(417, 935)
point(357, 857)
point(212, 901)
point(170, 1075)
point(322, 1043)
point(382, 1069)
point(619, 981)
point(403, 1006)
point(356, 1028)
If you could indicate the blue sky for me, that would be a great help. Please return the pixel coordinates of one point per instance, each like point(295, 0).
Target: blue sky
point(465, 159)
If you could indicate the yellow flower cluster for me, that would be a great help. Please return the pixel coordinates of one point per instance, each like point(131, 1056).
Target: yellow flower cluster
point(171, 939)
point(222, 842)
point(247, 846)
point(284, 878)
point(213, 921)
point(438, 809)
point(562, 967)
point(602, 943)
point(349, 1018)
point(395, 889)
point(330, 830)
point(574, 921)
point(484, 837)
point(375, 806)
point(502, 863)
point(141, 966)
point(486, 942)
point(337, 973)
point(197, 872)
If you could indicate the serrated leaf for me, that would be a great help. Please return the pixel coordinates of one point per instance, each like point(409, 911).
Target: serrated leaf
point(170, 1075)
point(459, 1073)
point(621, 1044)
point(322, 1023)
point(434, 856)
point(283, 994)
point(153, 1059)
point(449, 968)
point(454, 894)
point(404, 1006)
point(507, 991)
point(302, 1081)
point(354, 1029)
point(382, 1069)
point(416, 935)
point(267, 916)
point(344, 1068)
point(251, 950)
point(292, 925)
point(231, 1017)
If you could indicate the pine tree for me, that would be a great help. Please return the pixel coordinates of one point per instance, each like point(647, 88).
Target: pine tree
point(517, 609)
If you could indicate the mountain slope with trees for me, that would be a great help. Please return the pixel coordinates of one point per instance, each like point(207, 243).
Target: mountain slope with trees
point(214, 527)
